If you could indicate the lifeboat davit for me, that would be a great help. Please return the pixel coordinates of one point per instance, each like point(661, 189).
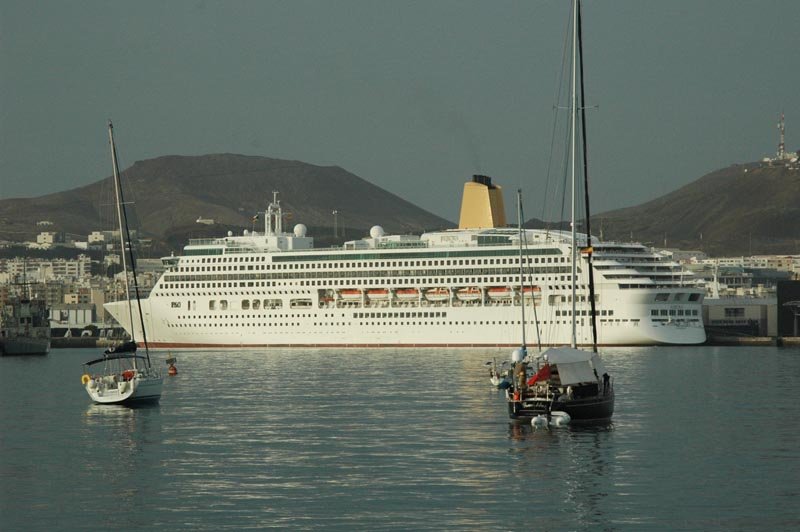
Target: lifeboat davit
point(468, 293)
point(407, 294)
point(437, 294)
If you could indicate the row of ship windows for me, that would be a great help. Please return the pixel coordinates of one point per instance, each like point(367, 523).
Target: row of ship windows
point(673, 312)
point(680, 296)
point(357, 315)
point(383, 323)
point(585, 313)
point(349, 265)
point(273, 304)
point(539, 270)
point(430, 280)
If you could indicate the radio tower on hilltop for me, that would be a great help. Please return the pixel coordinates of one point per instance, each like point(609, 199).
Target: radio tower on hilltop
point(781, 144)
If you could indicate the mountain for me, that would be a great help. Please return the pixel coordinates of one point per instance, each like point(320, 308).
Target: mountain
point(171, 192)
point(746, 209)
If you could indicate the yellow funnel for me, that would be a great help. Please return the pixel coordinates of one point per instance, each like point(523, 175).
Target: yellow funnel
point(482, 204)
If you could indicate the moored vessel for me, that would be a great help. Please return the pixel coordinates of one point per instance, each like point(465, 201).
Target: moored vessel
point(568, 384)
point(24, 327)
point(273, 288)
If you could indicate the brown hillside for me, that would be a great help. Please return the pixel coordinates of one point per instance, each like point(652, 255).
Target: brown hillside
point(739, 210)
point(173, 191)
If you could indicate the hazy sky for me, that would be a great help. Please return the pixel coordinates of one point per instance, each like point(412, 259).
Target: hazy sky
point(412, 96)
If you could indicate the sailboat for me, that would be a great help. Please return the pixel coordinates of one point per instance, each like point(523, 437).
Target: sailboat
point(565, 383)
point(498, 374)
point(121, 375)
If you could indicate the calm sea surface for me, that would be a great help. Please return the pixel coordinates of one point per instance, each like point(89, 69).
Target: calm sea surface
point(702, 439)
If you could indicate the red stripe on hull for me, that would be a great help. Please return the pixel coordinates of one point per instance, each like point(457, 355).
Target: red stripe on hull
point(171, 345)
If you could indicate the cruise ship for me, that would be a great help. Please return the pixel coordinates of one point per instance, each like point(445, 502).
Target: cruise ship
point(451, 288)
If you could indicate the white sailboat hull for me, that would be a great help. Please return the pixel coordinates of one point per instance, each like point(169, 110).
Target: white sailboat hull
point(106, 390)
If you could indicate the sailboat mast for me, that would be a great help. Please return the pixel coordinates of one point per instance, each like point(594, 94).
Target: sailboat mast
point(521, 276)
point(585, 157)
point(126, 231)
point(118, 196)
point(573, 119)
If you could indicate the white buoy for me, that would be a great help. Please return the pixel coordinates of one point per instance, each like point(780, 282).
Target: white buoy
point(559, 418)
point(539, 421)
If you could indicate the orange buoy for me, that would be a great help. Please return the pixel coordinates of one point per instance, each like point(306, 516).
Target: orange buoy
point(172, 370)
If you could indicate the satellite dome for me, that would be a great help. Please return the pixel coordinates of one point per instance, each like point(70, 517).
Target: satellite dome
point(230, 233)
point(300, 230)
point(376, 231)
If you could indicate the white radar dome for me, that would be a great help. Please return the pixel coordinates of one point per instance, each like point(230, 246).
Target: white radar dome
point(376, 231)
point(517, 355)
point(230, 233)
point(300, 230)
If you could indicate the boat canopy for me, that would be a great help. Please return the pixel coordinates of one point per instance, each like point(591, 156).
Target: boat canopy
point(575, 365)
point(117, 356)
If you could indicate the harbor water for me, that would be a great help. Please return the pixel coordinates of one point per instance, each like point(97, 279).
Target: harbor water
point(703, 438)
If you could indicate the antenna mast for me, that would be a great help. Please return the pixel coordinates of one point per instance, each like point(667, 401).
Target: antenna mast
point(782, 143)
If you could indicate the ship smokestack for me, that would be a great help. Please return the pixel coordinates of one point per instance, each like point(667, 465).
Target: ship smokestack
point(482, 204)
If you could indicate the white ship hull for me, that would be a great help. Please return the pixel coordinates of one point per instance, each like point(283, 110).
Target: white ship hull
point(470, 328)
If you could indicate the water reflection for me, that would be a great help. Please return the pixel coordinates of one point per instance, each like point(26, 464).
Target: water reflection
point(409, 439)
point(125, 446)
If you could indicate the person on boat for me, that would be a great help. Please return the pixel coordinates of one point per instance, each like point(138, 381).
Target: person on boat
point(606, 383)
point(521, 372)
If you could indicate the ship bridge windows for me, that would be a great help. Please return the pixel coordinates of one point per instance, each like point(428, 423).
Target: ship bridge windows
point(662, 296)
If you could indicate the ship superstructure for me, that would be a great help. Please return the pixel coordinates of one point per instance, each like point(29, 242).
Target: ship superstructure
point(457, 287)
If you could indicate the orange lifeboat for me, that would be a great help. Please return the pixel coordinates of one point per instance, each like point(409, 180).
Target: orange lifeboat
point(532, 291)
point(378, 294)
point(499, 292)
point(437, 294)
point(407, 294)
point(469, 293)
point(350, 294)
